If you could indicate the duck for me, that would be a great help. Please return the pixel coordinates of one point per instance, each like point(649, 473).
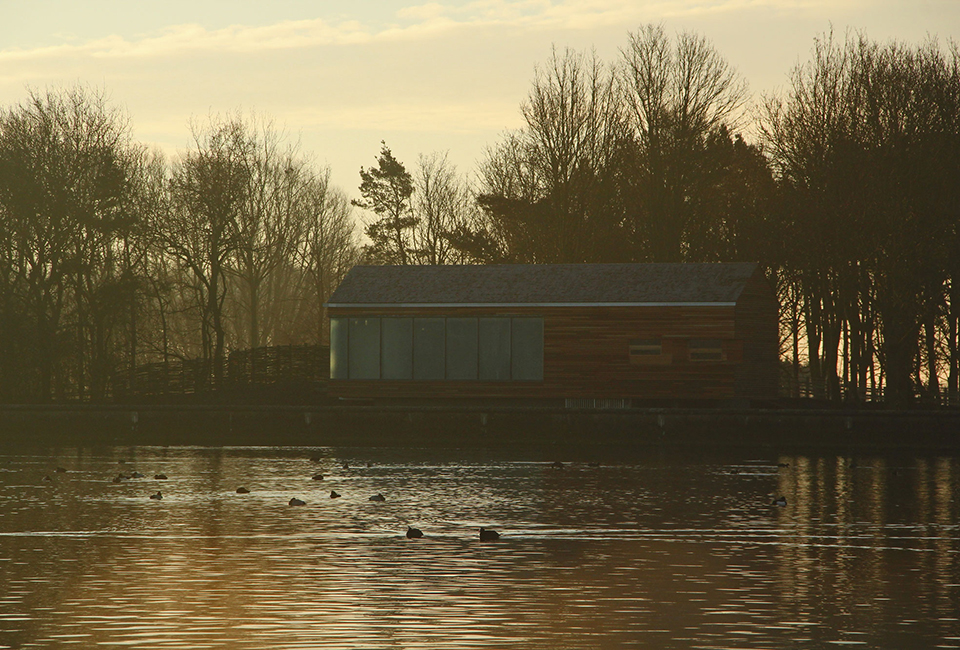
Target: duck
point(334, 494)
point(414, 533)
point(780, 501)
point(160, 477)
point(61, 470)
point(317, 477)
point(136, 475)
point(297, 502)
point(488, 535)
point(242, 490)
point(157, 496)
point(557, 465)
point(378, 497)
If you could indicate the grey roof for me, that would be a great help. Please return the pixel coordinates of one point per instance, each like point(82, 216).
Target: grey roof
point(542, 284)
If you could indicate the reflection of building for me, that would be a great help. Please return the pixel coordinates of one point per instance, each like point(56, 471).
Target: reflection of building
point(565, 331)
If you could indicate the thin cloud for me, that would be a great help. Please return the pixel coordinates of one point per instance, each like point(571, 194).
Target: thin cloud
point(413, 23)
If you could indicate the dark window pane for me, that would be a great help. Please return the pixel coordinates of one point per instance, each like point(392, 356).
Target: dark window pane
point(364, 346)
point(461, 348)
point(494, 361)
point(428, 348)
point(644, 347)
point(338, 349)
point(397, 354)
point(527, 349)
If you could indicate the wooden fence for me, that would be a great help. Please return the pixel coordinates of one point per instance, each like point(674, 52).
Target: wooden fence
point(259, 366)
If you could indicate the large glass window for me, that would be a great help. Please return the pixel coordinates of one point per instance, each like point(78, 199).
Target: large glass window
point(338, 348)
point(526, 346)
point(397, 353)
point(429, 349)
point(494, 349)
point(461, 348)
point(364, 348)
point(436, 349)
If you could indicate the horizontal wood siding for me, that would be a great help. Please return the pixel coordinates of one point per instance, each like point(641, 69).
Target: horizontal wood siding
point(586, 355)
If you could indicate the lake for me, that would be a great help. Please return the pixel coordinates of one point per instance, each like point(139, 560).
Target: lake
point(647, 549)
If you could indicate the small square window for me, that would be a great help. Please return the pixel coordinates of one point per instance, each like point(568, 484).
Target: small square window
point(645, 348)
point(705, 350)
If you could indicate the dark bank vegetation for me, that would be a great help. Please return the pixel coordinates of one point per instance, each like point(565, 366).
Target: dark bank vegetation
point(118, 263)
point(115, 260)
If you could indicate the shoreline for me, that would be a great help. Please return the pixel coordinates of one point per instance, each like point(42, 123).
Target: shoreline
point(475, 426)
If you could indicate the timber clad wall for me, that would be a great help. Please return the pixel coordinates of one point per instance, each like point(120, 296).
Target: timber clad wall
point(706, 351)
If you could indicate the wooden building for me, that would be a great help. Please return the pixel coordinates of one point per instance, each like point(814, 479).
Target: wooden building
point(573, 333)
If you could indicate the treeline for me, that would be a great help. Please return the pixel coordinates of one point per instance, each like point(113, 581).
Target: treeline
point(114, 258)
point(844, 186)
point(848, 195)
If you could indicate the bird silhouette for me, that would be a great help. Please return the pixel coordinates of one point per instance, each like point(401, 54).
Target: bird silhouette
point(297, 502)
point(414, 533)
point(378, 497)
point(156, 496)
point(488, 535)
point(334, 494)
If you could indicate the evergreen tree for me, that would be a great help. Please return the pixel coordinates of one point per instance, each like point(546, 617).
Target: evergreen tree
point(386, 191)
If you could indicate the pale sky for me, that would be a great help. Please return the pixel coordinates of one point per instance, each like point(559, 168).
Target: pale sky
point(342, 75)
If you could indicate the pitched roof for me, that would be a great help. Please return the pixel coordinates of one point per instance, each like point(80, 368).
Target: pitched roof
point(542, 284)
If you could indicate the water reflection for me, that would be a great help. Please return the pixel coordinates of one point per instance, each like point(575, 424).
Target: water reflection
point(656, 551)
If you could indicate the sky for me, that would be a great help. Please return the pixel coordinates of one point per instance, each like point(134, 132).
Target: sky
point(339, 76)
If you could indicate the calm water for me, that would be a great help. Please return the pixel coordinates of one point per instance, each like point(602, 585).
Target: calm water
point(655, 551)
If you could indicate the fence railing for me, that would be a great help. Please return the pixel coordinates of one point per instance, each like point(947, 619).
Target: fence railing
point(267, 365)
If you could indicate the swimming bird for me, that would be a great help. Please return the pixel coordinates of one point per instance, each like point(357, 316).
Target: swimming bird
point(334, 494)
point(61, 470)
point(780, 501)
point(346, 465)
point(317, 477)
point(242, 490)
point(156, 496)
point(136, 475)
point(557, 465)
point(378, 497)
point(488, 535)
point(414, 533)
point(160, 477)
point(297, 502)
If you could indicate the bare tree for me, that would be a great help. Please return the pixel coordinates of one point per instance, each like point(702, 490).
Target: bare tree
point(67, 171)
point(442, 204)
point(680, 93)
point(329, 247)
point(208, 190)
point(270, 224)
point(551, 191)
